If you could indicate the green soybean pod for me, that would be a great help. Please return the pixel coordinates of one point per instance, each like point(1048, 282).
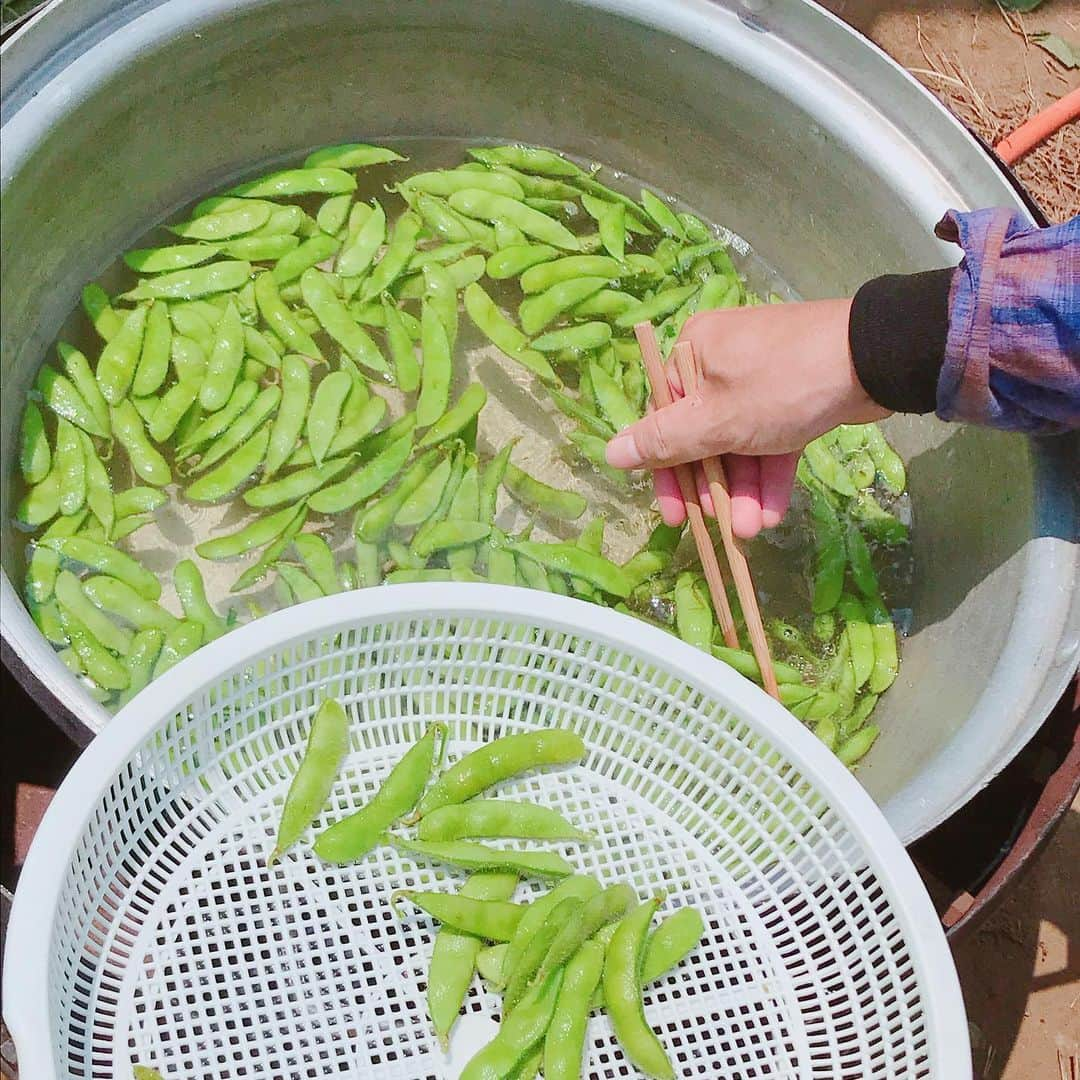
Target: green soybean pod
point(44, 561)
point(350, 156)
point(140, 660)
point(441, 295)
point(445, 535)
point(250, 421)
point(445, 182)
point(585, 337)
point(179, 643)
point(244, 393)
point(300, 256)
point(497, 818)
point(860, 561)
point(859, 635)
point(153, 365)
point(280, 319)
point(171, 409)
point(177, 257)
point(623, 966)
point(471, 856)
point(365, 481)
point(887, 462)
point(73, 601)
point(499, 760)
point(746, 665)
point(454, 954)
point(831, 554)
point(354, 836)
point(78, 370)
point(117, 598)
point(191, 590)
point(261, 248)
point(327, 745)
point(498, 329)
point(120, 357)
point(662, 215)
point(543, 498)
point(190, 284)
point(611, 399)
point(452, 422)
point(60, 396)
point(333, 213)
point(422, 502)
point(564, 1043)
point(488, 206)
point(188, 359)
point(108, 560)
point(225, 361)
point(289, 422)
point(100, 312)
point(437, 370)
point(300, 586)
point(402, 353)
point(527, 159)
point(663, 303)
point(855, 747)
point(235, 470)
point(572, 561)
point(70, 467)
point(694, 618)
point(540, 309)
point(883, 633)
point(541, 277)
point(324, 417)
point(827, 468)
point(297, 485)
point(94, 658)
point(514, 260)
point(335, 319)
point(314, 180)
point(359, 251)
point(398, 251)
point(373, 522)
point(99, 493)
point(128, 428)
point(277, 534)
point(318, 560)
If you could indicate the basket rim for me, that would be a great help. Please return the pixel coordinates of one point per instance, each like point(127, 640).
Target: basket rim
point(26, 1002)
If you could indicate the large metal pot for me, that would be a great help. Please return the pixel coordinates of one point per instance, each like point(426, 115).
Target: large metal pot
point(772, 118)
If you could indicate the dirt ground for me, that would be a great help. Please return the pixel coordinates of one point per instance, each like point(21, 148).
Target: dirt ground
point(1020, 971)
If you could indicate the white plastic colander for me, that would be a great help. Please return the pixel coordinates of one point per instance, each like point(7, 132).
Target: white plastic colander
point(147, 928)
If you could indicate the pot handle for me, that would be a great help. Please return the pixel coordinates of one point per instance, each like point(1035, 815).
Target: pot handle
point(1057, 796)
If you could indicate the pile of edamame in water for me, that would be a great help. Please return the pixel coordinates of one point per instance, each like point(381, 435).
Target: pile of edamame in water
point(299, 389)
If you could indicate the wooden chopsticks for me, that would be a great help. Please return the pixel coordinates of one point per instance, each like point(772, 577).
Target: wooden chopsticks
point(690, 375)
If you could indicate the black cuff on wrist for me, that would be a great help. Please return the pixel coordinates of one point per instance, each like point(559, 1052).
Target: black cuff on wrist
point(897, 333)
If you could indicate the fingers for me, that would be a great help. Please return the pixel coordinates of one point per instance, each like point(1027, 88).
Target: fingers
point(668, 436)
point(777, 479)
point(744, 483)
point(668, 497)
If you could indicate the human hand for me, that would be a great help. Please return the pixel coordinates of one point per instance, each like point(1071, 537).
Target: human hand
point(774, 377)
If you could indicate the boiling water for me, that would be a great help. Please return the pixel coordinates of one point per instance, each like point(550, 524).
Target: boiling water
point(516, 409)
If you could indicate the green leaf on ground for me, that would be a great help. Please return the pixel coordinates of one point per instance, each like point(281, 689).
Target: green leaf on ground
point(1066, 53)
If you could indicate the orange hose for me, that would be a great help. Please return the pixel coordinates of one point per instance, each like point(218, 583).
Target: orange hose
point(1041, 126)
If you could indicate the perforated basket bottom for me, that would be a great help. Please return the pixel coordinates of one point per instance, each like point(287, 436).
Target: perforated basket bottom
point(175, 946)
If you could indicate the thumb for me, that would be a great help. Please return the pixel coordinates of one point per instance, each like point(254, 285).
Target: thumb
point(668, 436)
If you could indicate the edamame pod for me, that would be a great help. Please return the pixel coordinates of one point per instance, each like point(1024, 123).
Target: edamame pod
point(470, 856)
point(179, 643)
point(365, 482)
point(128, 428)
point(504, 334)
point(226, 359)
point(540, 309)
point(397, 254)
point(289, 422)
point(77, 368)
point(176, 257)
point(69, 465)
point(245, 425)
point(234, 470)
point(335, 319)
point(96, 661)
point(350, 156)
point(324, 417)
point(356, 257)
point(218, 219)
point(281, 320)
point(191, 590)
point(72, 599)
point(224, 276)
point(108, 560)
point(437, 370)
point(398, 338)
point(327, 745)
point(511, 261)
point(465, 409)
point(145, 649)
point(536, 495)
point(117, 598)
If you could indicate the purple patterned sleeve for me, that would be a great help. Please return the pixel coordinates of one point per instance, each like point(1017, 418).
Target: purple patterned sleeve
point(1012, 355)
